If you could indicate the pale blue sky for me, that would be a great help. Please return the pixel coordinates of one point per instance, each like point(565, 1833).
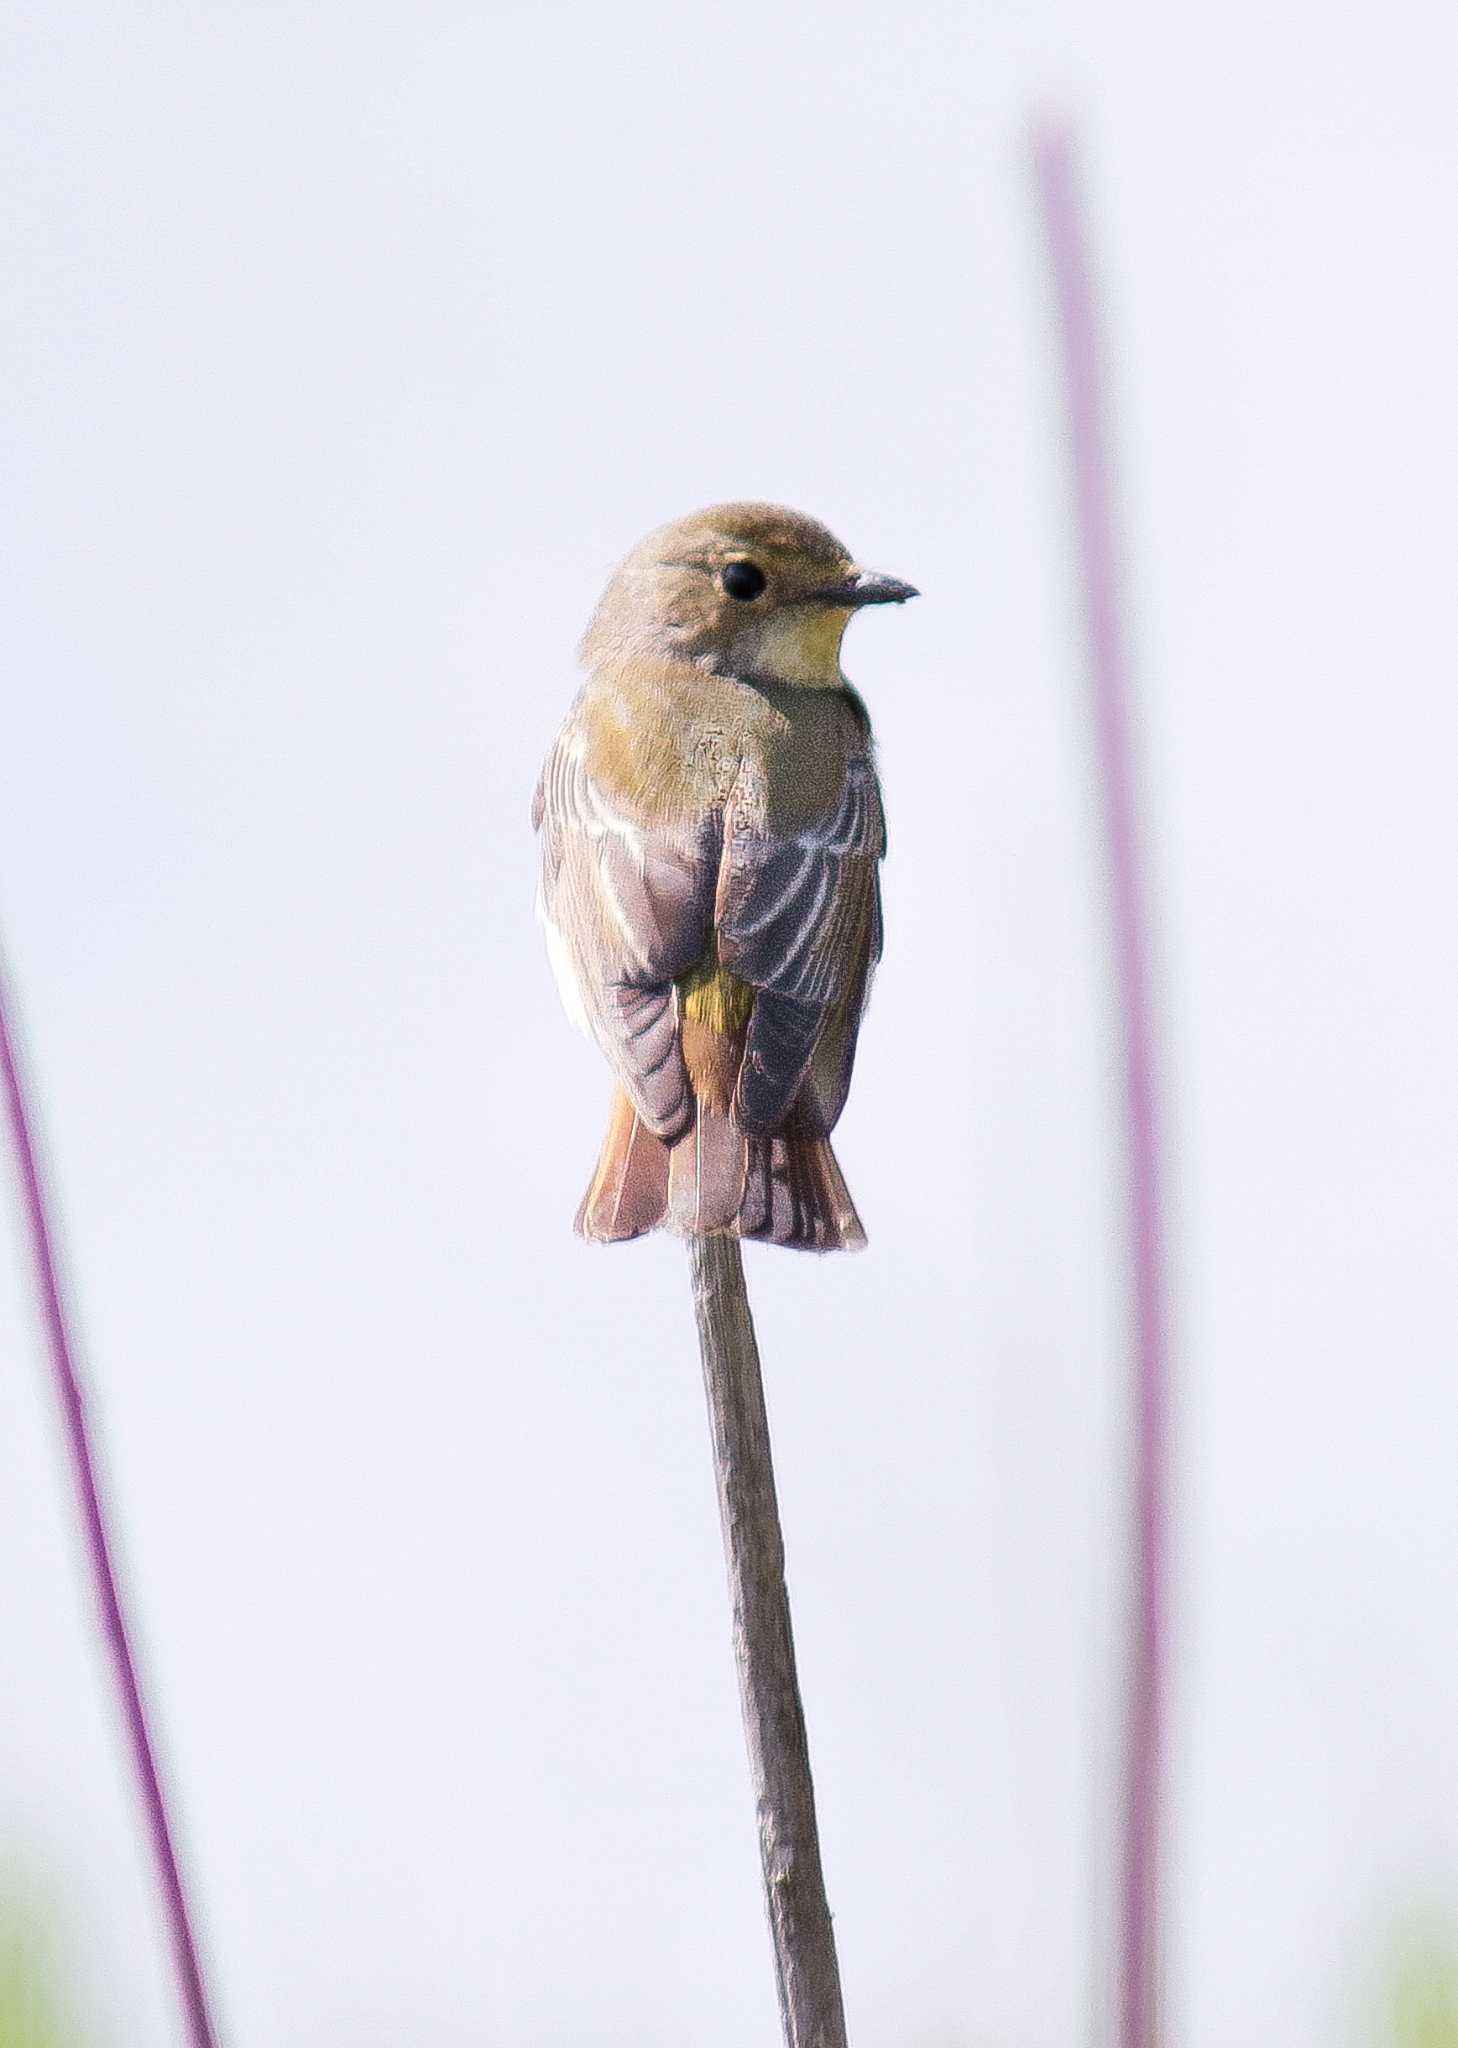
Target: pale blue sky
point(347, 349)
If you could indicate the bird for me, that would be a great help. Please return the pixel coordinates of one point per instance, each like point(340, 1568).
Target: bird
point(711, 831)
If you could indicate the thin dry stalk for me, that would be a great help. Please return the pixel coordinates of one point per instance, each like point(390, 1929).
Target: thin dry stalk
point(191, 1988)
point(1140, 2024)
point(774, 1722)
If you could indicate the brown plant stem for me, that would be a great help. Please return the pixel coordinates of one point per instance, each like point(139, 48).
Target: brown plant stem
point(1140, 1886)
point(191, 1986)
point(811, 2010)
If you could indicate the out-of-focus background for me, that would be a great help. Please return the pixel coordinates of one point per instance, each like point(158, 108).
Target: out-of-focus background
point(347, 347)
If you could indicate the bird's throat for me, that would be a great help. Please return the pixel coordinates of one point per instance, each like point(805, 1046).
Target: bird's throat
point(801, 645)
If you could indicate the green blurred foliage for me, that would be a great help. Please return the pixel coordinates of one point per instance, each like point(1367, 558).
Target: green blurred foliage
point(1424, 1994)
point(29, 2004)
point(1416, 1981)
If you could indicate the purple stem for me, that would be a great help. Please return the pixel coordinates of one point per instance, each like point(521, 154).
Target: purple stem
point(191, 1988)
point(1145, 1679)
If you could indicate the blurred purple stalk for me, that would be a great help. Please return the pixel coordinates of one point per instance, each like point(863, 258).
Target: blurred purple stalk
point(1139, 1891)
point(191, 1988)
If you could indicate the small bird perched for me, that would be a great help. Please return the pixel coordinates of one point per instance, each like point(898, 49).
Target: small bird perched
point(711, 831)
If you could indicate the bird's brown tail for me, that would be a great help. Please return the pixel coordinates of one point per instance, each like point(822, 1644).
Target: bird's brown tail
point(786, 1190)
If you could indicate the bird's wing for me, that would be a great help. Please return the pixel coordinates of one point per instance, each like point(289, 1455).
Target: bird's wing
point(628, 907)
point(799, 918)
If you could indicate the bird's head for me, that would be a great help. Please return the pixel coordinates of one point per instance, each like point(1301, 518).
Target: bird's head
point(754, 591)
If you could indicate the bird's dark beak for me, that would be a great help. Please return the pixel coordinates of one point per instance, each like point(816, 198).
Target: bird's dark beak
point(864, 586)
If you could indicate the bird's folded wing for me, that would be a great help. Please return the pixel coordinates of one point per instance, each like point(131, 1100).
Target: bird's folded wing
point(631, 908)
point(799, 918)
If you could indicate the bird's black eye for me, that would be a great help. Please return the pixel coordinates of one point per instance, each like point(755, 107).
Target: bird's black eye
point(743, 580)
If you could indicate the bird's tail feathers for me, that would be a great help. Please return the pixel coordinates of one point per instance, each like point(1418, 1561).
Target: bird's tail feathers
point(787, 1189)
